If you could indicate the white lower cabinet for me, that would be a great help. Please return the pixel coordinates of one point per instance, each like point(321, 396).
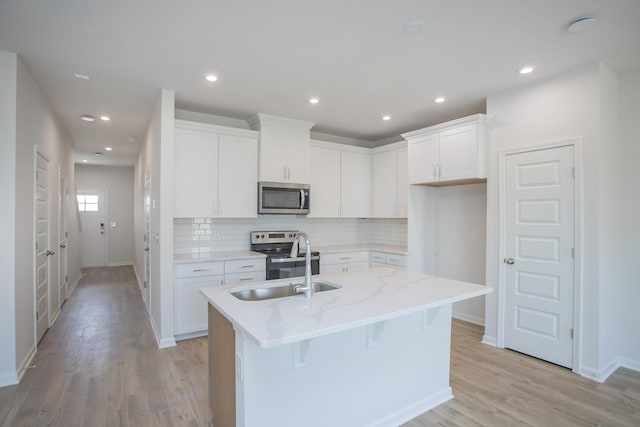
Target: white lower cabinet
point(388, 259)
point(344, 262)
point(190, 306)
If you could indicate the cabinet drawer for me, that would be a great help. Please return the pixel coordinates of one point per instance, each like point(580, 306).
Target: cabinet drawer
point(397, 260)
point(199, 269)
point(378, 257)
point(244, 265)
point(246, 277)
point(344, 257)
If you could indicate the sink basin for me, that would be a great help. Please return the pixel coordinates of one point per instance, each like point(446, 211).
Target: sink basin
point(272, 292)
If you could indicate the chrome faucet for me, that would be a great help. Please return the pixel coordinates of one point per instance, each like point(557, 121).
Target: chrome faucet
point(307, 288)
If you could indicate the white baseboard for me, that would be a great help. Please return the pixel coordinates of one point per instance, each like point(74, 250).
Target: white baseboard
point(162, 343)
point(486, 339)
point(191, 335)
point(469, 318)
point(26, 362)
point(119, 264)
point(634, 365)
point(140, 284)
point(600, 375)
point(410, 412)
point(75, 283)
point(8, 379)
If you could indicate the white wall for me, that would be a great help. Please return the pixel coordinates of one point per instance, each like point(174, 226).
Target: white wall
point(156, 158)
point(461, 242)
point(8, 93)
point(578, 103)
point(119, 183)
point(629, 154)
point(33, 123)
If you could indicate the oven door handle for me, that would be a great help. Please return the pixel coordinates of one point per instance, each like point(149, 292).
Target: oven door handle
point(283, 260)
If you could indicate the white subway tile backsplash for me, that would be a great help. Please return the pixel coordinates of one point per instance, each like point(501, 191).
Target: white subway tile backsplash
point(198, 235)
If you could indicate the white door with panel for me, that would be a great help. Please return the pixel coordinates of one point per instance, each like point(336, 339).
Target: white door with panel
point(539, 253)
point(147, 240)
point(63, 195)
point(42, 251)
point(92, 208)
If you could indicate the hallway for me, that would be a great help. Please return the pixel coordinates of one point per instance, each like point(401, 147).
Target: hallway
point(99, 365)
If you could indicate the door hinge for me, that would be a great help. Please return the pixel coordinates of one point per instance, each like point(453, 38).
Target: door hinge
point(66, 234)
point(573, 253)
point(573, 171)
point(66, 279)
point(571, 333)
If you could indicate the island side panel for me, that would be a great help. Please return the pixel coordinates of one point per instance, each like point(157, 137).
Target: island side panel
point(222, 383)
point(382, 374)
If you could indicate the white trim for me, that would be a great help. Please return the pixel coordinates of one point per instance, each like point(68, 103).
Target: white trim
point(26, 363)
point(119, 264)
point(190, 335)
point(140, 284)
point(389, 147)
point(9, 379)
point(256, 122)
point(75, 283)
point(411, 411)
point(486, 339)
point(476, 118)
point(602, 374)
point(207, 127)
point(577, 144)
point(39, 151)
point(476, 320)
point(629, 364)
point(162, 343)
point(339, 147)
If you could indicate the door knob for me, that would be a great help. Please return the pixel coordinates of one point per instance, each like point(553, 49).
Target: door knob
point(63, 246)
point(146, 249)
point(509, 261)
point(48, 253)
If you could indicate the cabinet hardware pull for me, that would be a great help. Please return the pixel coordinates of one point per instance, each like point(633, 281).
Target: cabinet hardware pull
point(345, 257)
point(245, 279)
point(247, 266)
point(198, 270)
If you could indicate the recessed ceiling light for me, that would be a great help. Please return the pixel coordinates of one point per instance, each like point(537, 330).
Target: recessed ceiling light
point(526, 69)
point(211, 78)
point(97, 153)
point(314, 100)
point(108, 148)
point(132, 139)
point(440, 100)
point(582, 24)
point(85, 161)
point(81, 76)
point(386, 117)
point(88, 118)
point(105, 118)
point(413, 27)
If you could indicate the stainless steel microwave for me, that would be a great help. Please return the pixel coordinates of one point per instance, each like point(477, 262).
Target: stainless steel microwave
point(283, 198)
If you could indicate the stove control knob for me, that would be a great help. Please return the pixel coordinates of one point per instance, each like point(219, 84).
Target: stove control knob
point(263, 236)
point(257, 236)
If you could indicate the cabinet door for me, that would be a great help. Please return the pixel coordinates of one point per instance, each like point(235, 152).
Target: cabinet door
point(238, 176)
point(325, 183)
point(273, 154)
point(459, 153)
point(191, 306)
point(356, 174)
point(385, 184)
point(195, 161)
point(403, 184)
point(424, 156)
point(297, 156)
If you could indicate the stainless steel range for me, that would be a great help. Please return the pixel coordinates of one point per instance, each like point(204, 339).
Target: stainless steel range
point(277, 246)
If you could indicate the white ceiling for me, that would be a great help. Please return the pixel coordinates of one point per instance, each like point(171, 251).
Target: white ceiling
point(272, 56)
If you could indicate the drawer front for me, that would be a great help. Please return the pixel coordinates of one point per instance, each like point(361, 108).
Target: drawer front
point(378, 257)
point(199, 269)
point(378, 264)
point(245, 278)
point(357, 266)
point(245, 265)
point(344, 257)
point(397, 260)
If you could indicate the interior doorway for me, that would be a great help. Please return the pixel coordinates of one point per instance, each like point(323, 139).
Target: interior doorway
point(63, 235)
point(92, 208)
point(42, 251)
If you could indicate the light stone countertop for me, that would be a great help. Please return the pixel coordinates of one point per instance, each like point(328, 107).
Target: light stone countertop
point(366, 297)
point(400, 250)
point(216, 256)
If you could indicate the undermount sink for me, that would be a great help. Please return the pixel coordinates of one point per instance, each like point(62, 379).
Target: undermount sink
point(272, 292)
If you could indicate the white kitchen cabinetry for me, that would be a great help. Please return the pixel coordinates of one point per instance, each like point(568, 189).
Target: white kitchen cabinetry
point(390, 185)
point(215, 171)
point(191, 307)
point(387, 259)
point(284, 148)
point(340, 181)
point(452, 152)
point(344, 262)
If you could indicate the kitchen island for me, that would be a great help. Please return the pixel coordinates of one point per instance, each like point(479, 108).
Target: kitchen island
point(374, 352)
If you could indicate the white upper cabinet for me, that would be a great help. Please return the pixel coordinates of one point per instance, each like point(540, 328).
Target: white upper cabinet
point(340, 181)
point(215, 171)
point(448, 153)
point(390, 185)
point(284, 148)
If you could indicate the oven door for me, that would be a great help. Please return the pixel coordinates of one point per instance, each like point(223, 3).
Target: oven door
point(284, 268)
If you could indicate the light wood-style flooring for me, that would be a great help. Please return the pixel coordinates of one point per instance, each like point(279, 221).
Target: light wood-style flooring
point(99, 366)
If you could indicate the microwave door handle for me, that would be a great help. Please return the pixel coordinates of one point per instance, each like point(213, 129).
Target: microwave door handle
point(302, 199)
